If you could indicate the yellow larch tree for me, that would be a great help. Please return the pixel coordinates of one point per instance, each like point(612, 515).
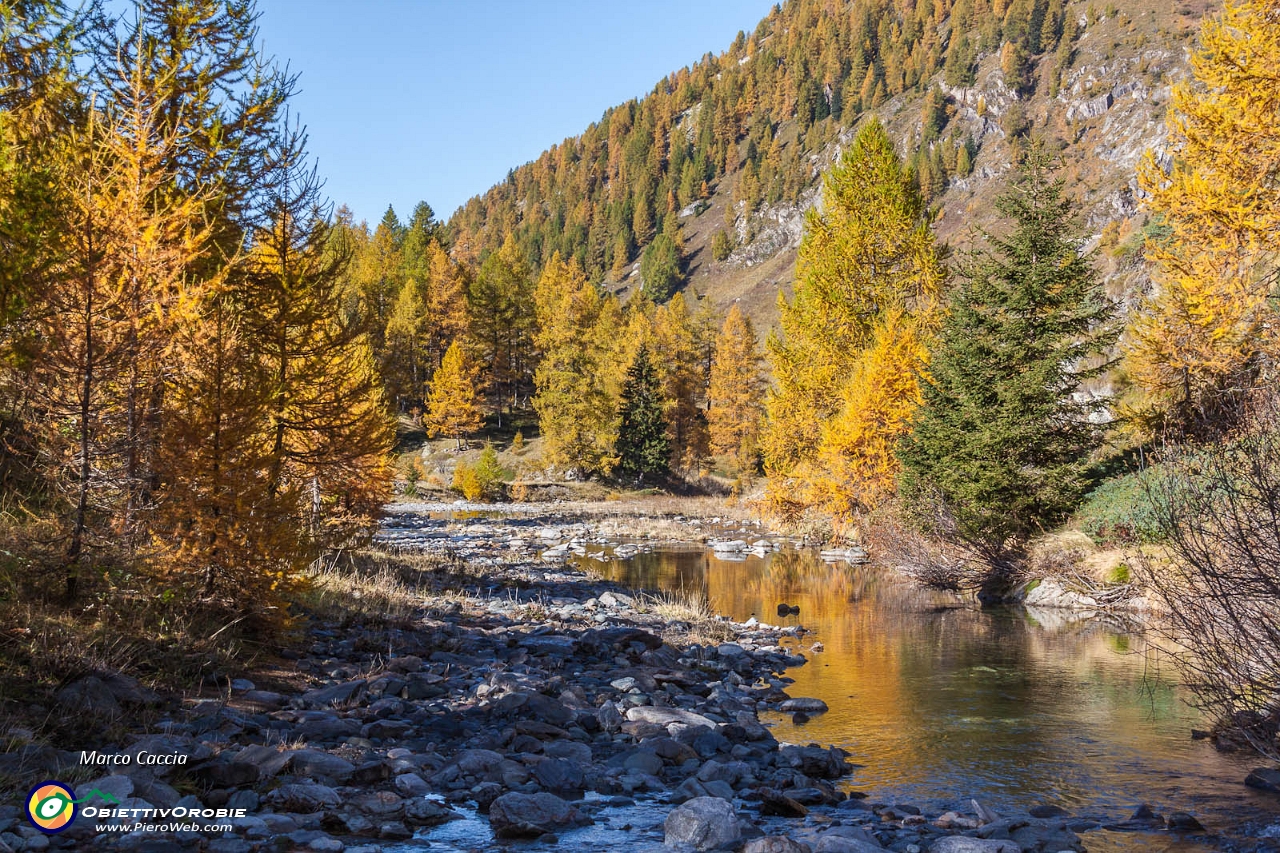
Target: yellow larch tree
point(328, 430)
point(736, 393)
point(856, 468)
point(453, 406)
point(1207, 332)
point(867, 253)
point(679, 354)
point(576, 336)
point(446, 305)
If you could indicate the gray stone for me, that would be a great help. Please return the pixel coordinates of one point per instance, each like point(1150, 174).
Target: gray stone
point(313, 762)
point(814, 762)
point(265, 698)
point(518, 815)
point(90, 696)
point(118, 786)
point(269, 761)
point(644, 761)
point(395, 831)
point(776, 844)
point(423, 812)
point(780, 805)
point(378, 803)
point(704, 823)
point(801, 703)
point(833, 843)
point(411, 785)
point(303, 797)
point(667, 716)
point(559, 775)
point(229, 845)
point(1264, 779)
point(569, 750)
point(609, 717)
point(334, 694)
point(964, 844)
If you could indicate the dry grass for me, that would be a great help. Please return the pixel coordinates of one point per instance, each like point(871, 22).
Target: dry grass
point(380, 588)
point(689, 616)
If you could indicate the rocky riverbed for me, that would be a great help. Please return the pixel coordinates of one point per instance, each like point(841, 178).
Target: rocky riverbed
point(534, 704)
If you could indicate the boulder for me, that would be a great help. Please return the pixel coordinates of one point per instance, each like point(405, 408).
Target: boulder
point(704, 823)
point(517, 815)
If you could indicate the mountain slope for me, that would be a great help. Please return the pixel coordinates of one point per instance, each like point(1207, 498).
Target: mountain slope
point(737, 143)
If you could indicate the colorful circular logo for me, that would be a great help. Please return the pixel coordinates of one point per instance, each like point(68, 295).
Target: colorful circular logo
point(51, 806)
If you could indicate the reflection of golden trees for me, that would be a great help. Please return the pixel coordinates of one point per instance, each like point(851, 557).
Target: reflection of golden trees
point(930, 692)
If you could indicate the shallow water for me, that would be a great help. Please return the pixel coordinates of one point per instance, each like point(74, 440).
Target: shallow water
point(943, 702)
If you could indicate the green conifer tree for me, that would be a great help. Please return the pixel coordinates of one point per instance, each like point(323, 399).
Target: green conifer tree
point(643, 447)
point(1005, 432)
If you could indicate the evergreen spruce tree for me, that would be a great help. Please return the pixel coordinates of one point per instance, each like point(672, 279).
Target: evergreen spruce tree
point(643, 446)
point(1004, 435)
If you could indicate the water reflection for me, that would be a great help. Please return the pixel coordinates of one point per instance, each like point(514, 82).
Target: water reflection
point(943, 701)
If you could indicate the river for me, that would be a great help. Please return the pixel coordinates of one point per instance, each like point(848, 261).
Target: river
point(943, 701)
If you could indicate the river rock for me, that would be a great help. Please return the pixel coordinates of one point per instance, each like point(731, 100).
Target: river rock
point(332, 695)
point(964, 844)
point(1051, 593)
point(780, 805)
point(1184, 822)
point(1264, 779)
point(833, 843)
point(313, 762)
point(666, 716)
point(808, 706)
point(518, 815)
point(776, 844)
point(704, 823)
point(303, 797)
point(815, 762)
point(559, 776)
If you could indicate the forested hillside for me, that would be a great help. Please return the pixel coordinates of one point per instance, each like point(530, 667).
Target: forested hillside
point(703, 181)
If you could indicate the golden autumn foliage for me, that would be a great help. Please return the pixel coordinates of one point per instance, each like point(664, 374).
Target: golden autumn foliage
point(574, 399)
point(867, 257)
point(737, 392)
point(679, 352)
point(1207, 332)
point(453, 405)
point(856, 467)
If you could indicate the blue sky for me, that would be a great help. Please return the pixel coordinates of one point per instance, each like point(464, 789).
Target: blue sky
point(409, 100)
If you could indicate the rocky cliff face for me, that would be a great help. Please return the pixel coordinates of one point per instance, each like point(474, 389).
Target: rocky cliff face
point(1105, 112)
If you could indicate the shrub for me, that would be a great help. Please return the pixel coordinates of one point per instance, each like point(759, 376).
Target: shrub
point(1123, 511)
point(483, 479)
point(721, 247)
point(1218, 575)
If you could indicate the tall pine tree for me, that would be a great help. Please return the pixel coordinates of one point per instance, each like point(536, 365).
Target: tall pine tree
point(1007, 427)
point(643, 445)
